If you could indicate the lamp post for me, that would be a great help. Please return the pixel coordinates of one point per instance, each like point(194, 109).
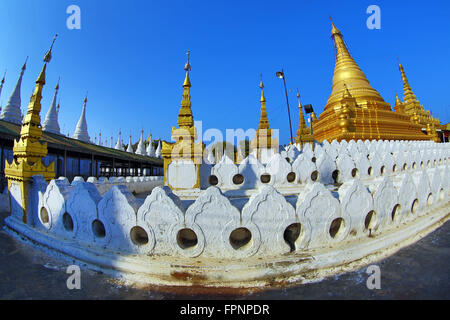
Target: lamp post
point(280, 75)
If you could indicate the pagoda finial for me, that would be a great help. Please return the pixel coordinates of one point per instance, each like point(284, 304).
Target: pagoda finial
point(187, 66)
point(24, 67)
point(2, 83)
point(334, 30)
point(48, 55)
point(261, 85)
point(185, 117)
point(264, 121)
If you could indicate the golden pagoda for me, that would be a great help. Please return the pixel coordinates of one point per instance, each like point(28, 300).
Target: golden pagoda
point(29, 150)
point(263, 140)
point(412, 107)
point(355, 110)
point(303, 132)
point(185, 135)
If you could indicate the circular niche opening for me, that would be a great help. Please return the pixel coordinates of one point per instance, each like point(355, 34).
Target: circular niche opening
point(238, 179)
point(291, 234)
point(291, 177)
point(288, 160)
point(355, 173)
point(139, 236)
point(67, 222)
point(395, 212)
point(98, 228)
point(44, 216)
point(370, 171)
point(335, 175)
point(371, 220)
point(213, 180)
point(240, 238)
point(313, 159)
point(186, 238)
point(383, 170)
point(414, 206)
point(430, 199)
point(315, 175)
point(337, 228)
point(265, 178)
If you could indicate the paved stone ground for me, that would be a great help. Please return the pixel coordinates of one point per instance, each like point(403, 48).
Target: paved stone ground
point(420, 271)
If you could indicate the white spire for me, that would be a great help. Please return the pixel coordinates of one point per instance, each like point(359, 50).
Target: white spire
point(158, 150)
point(141, 147)
point(81, 131)
point(100, 142)
point(111, 144)
point(130, 146)
point(119, 145)
point(51, 119)
point(150, 149)
point(12, 112)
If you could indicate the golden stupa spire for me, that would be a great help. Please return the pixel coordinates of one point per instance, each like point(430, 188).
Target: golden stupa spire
point(264, 121)
point(407, 91)
point(185, 117)
point(301, 120)
point(263, 139)
point(348, 72)
point(397, 100)
point(303, 133)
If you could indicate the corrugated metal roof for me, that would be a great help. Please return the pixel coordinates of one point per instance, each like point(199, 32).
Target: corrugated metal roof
point(12, 131)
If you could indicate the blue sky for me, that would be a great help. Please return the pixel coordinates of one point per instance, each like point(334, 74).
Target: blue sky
point(130, 56)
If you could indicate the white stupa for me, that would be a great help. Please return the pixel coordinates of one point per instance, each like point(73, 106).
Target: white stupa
point(51, 119)
point(119, 145)
point(150, 150)
point(130, 146)
point(12, 112)
point(81, 131)
point(141, 147)
point(158, 150)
